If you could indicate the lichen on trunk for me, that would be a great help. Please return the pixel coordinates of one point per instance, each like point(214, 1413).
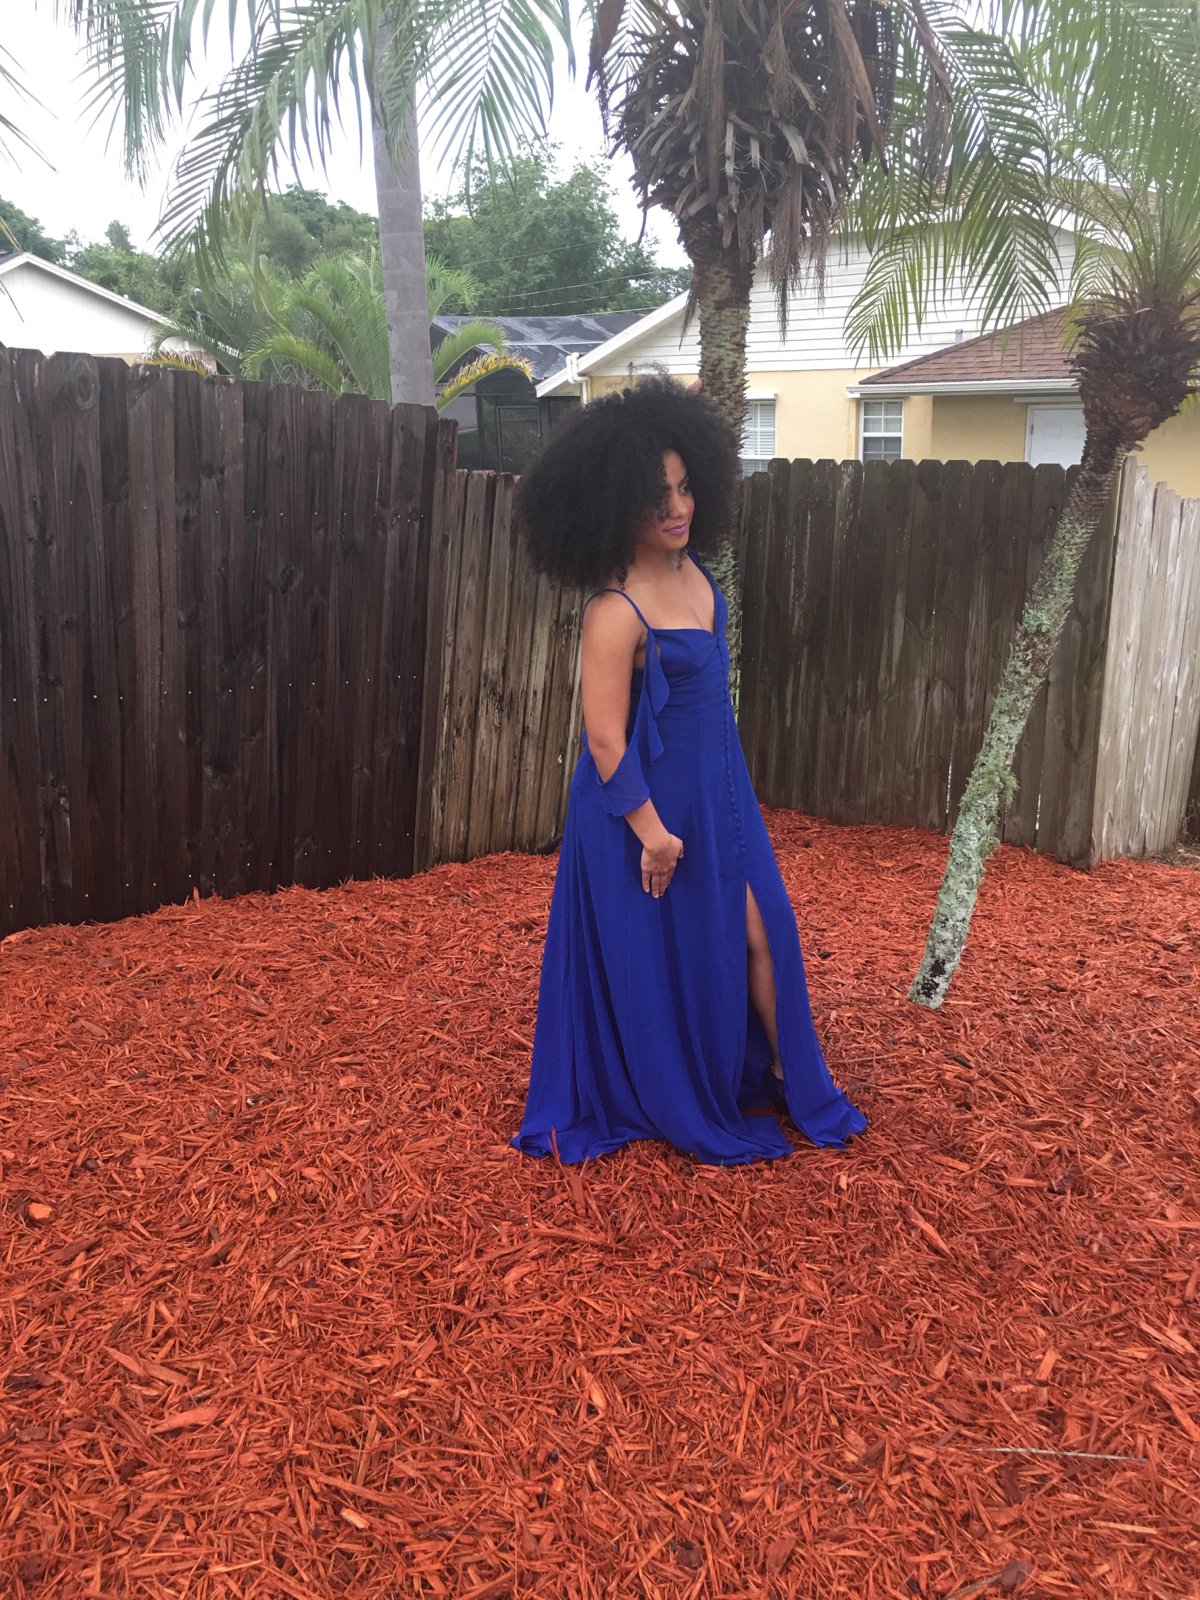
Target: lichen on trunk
point(992, 784)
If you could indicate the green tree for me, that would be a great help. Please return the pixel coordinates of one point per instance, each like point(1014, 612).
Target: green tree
point(539, 245)
point(28, 234)
point(1119, 93)
point(328, 330)
point(485, 73)
point(301, 224)
point(1135, 350)
point(162, 283)
point(751, 125)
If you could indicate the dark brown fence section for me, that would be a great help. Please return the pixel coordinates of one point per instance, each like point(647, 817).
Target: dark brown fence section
point(502, 713)
point(879, 602)
point(213, 603)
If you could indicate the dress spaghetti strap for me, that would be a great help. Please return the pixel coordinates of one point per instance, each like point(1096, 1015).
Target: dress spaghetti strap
point(624, 596)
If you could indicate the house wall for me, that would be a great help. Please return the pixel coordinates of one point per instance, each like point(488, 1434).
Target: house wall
point(975, 427)
point(993, 428)
point(814, 416)
point(43, 312)
point(815, 339)
point(1172, 453)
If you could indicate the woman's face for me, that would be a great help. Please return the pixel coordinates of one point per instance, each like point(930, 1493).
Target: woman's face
point(667, 527)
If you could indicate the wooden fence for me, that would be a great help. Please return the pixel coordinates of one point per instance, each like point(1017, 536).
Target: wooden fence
point(212, 635)
point(879, 605)
point(1148, 760)
point(252, 635)
point(503, 715)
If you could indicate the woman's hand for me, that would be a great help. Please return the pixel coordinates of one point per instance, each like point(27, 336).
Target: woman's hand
point(659, 863)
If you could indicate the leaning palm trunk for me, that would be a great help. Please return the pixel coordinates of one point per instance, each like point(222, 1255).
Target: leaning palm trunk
point(1137, 353)
point(992, 784)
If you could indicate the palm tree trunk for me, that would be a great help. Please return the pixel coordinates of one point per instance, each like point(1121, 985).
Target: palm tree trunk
point(721, 285)
point(992, 784)
point(402, 253)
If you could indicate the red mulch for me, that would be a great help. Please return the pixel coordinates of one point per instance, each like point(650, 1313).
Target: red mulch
point(283, 1315)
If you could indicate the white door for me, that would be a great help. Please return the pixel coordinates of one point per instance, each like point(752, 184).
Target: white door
point(1054, 434)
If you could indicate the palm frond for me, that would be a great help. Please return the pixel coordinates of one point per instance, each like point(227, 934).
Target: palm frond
point(459, 344)
point(444, 283)
point(483, 368)
point(282, 98)
point(12, 135)
point(489, 76)
point(139, 52)
point(345, 302)
point(1126, 75)
point(290, 349)
point(975, 208)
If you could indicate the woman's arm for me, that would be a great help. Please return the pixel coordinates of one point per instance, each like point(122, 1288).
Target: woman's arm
point(611, 634)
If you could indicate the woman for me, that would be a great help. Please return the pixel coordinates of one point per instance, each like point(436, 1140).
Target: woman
point(672, 995)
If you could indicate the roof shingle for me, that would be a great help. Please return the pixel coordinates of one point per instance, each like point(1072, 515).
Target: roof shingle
point(1032, 349)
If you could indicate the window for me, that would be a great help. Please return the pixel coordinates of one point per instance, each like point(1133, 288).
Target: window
point(758, 435)
point(882, 430)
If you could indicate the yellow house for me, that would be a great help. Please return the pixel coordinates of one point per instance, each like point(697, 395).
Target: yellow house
point(954, 394)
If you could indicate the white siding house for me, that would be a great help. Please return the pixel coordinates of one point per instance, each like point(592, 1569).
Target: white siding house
point(47, 308)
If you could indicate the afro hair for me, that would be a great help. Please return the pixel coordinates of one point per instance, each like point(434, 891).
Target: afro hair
point(581, 504)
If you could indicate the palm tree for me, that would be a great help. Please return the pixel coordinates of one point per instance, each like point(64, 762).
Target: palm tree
point(1120, 97)
point(12, 136)
point(1136, 354)
point(484, 70)
point(329, 329)
point(752, 123)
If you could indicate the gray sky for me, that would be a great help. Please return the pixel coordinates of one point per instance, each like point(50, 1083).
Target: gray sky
point(84, 186)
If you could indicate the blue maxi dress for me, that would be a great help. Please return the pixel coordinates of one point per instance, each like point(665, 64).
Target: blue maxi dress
point(645, 1029)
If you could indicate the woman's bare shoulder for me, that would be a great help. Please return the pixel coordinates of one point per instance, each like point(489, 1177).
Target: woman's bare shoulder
point(609, 618)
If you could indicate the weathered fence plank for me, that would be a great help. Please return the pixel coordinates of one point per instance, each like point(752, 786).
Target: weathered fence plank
point(893, 577)
point(422, 449)
point(522, 605)
point(1149, 722)
point(221, 511)
point(916, 643)
point(493, 650)
point(753, 563)
point(809, 543)
point(1180, 791)
point(441, 593)
point(555, 745)
point(864, 624)
point(21, 888)
point(458, 737)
